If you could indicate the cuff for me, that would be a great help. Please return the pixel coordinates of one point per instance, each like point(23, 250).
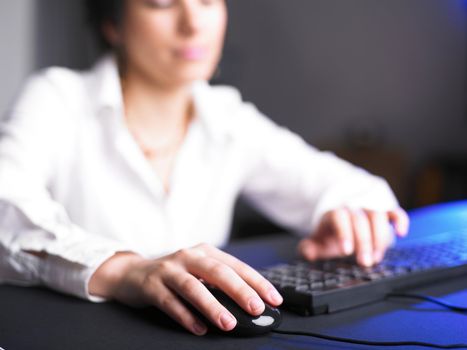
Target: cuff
point(71, 277)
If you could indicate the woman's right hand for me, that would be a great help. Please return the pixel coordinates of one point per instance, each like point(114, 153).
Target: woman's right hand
point(163, 282)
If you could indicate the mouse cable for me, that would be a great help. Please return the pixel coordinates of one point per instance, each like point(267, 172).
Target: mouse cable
point(383, 343)
point(369, 342)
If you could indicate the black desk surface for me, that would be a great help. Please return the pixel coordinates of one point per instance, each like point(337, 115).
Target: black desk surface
point(36, 318)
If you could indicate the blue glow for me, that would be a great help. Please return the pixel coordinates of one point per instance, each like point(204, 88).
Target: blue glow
point(438, 218)
point(414, 321)
point(420, 321)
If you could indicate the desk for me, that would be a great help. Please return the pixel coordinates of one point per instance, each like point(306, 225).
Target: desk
point(36, 318)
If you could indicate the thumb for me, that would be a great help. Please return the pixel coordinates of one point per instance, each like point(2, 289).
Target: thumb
point(401, 221)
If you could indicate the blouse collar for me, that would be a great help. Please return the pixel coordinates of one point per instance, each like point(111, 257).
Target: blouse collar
point(108, 96)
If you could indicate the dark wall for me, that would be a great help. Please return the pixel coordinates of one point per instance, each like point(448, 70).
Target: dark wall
point(62, 35)
point(325, 67)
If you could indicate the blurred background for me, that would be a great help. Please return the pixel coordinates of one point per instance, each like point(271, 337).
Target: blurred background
point(381, 83)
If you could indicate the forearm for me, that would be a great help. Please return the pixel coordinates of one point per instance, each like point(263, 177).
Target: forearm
point(114, 278)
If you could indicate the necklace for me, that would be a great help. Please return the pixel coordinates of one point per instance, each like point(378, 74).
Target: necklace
point(169, 146)
point(163, 151)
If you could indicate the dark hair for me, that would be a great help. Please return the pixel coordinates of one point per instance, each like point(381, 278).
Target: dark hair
point(103, 11)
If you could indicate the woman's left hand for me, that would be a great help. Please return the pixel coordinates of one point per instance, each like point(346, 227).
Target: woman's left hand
point(365, 233)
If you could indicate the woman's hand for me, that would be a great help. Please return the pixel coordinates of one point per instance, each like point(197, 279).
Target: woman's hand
point(365, 233)
point(166, 281)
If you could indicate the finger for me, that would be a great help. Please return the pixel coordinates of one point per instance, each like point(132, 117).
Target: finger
point(362, 238)
point(315, 248)
point(225, 278)
point(401, 221)
point(194, 292)
point(333, 237)
point(342, 225)
point(308, 248)
point(380, 233)
point(261, 285)
point(169, 303)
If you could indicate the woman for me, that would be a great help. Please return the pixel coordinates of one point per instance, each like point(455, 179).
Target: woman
point(118, 183)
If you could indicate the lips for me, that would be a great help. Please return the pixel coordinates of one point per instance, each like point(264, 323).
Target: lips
point(192, 53)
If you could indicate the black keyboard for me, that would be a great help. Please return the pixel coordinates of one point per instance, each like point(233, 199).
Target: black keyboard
point(333, 285)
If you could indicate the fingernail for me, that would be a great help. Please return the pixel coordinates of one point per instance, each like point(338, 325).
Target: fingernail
point(367, 259)
point(228, 321)
point(275, 297)
point(347, 247)
point(199, 329)
point(256, 305)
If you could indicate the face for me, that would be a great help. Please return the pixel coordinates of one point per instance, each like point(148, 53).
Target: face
point(171, 42)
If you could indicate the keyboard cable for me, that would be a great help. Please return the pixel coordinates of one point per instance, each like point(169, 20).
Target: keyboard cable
point(427, 298)
point(388, 343)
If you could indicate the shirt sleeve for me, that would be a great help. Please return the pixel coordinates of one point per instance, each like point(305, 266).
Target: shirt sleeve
point(294, 184)
point(30, 219)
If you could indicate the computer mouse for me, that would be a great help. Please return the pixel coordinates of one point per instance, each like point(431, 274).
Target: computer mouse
point(248, 325)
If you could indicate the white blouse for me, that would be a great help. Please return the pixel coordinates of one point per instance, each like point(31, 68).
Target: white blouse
point(75, 184)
